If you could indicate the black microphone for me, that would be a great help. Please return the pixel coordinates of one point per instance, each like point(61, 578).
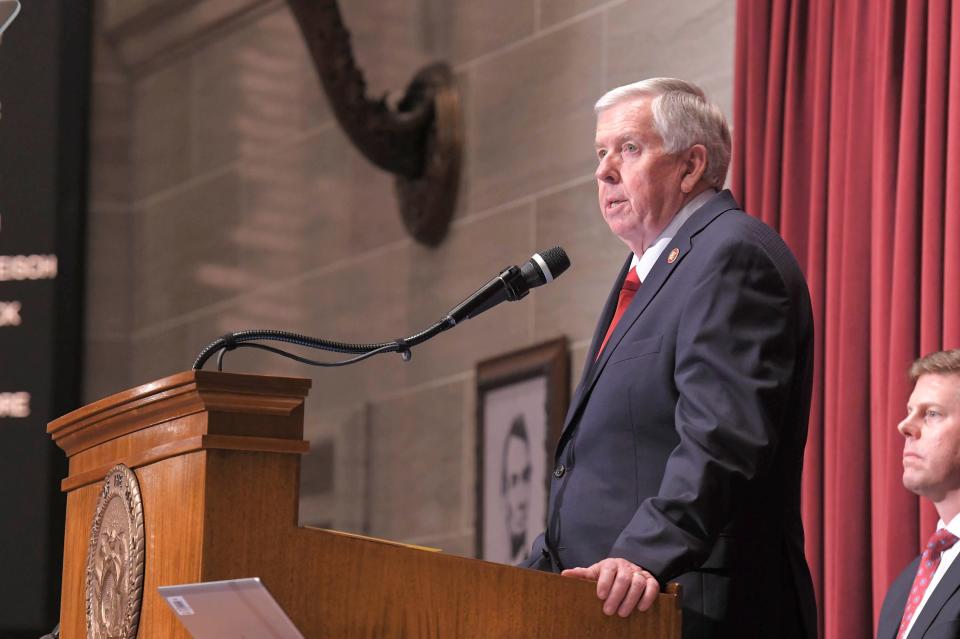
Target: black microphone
point(512, 284)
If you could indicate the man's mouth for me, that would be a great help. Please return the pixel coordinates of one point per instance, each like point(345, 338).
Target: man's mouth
point(611, 204)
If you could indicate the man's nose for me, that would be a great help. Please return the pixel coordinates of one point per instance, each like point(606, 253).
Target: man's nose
point(908, 427)
point(607, 171)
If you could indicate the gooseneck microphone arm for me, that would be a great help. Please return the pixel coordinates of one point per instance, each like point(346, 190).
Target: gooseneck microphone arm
point(512, 284)
point(231, 341)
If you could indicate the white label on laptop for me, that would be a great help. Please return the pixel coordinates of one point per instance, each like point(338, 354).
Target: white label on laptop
point(180, 605)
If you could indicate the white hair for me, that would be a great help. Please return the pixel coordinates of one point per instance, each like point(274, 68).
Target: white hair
point(683, 117)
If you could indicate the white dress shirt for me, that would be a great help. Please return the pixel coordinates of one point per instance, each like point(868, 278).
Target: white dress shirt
point(645, 262)
point(946, 559)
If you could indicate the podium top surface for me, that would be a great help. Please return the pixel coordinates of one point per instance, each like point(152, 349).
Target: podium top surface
point(176, 396)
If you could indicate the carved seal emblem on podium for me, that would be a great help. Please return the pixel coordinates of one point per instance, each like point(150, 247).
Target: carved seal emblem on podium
point(115, 556)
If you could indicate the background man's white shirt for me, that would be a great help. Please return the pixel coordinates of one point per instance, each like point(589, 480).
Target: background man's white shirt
point(946, 560)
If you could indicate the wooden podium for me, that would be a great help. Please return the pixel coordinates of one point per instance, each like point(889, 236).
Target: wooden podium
point(217, 457)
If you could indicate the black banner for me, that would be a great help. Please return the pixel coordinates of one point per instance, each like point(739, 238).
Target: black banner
point(44, 87)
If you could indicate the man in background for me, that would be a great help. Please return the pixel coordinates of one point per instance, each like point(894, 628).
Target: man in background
point(681, 454)
point(924, 601)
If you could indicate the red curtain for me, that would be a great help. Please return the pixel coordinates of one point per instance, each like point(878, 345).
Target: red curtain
point(847, 140)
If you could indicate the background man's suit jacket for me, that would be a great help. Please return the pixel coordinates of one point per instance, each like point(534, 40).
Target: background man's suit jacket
point(683, 445)
point(940, 617)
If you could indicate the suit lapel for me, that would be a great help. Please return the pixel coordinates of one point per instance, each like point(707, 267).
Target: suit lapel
point(895, 601)
point(654, 282)
point(947, 587)
point(609, 307)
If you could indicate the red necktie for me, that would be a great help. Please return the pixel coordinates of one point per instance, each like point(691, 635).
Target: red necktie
point(630, 286)
point(929, 560)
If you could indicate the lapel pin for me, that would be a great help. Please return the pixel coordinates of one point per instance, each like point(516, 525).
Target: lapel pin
point(673, 256)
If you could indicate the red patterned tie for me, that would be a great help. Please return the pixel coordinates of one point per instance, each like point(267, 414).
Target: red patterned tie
point(630, 286)
point(929, 560)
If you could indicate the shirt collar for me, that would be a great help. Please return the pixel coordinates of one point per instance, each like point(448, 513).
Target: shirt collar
point(953, 525)
point(644, 263)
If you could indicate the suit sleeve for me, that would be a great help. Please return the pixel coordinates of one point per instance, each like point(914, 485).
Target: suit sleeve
point(736, 359)
point(536, 559)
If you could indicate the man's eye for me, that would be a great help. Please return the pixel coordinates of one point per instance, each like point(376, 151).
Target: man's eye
point(931, 413)
point(601, 154)
point(630, 147)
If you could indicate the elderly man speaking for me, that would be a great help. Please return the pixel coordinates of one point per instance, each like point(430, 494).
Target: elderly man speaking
point(681, 454)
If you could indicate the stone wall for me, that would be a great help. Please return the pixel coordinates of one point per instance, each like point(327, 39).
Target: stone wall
point(225, 197)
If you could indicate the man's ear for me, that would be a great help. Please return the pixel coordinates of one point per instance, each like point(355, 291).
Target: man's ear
point(695, 165)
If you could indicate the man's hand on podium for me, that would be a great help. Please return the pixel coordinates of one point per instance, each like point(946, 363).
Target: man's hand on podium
point(623, 586)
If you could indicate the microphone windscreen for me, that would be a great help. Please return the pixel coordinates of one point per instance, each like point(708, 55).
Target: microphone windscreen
point(556, 260)
point(544, 267)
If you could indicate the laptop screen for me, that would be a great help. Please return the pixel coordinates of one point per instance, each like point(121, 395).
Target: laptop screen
point(235, 609)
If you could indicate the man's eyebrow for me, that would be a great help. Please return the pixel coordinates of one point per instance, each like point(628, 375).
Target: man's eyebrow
point(924, 405)
point(628, 135)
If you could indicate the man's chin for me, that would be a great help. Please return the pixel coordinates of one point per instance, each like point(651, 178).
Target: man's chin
point(621, 228)
point(922, 487)
point(912, 483)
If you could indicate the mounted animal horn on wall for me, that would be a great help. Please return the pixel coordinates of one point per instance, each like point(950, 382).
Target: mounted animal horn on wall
point(419, 140)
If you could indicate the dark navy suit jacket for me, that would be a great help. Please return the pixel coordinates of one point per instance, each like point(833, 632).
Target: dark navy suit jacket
point(940, 617)
point(683, 445)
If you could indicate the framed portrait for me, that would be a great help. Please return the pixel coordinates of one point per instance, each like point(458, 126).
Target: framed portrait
point(522, 399)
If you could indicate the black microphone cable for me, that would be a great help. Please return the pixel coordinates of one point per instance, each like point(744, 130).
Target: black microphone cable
point(512, 284)
point(249, 339)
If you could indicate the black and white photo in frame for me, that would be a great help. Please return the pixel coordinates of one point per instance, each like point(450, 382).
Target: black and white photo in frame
point(521, 401)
